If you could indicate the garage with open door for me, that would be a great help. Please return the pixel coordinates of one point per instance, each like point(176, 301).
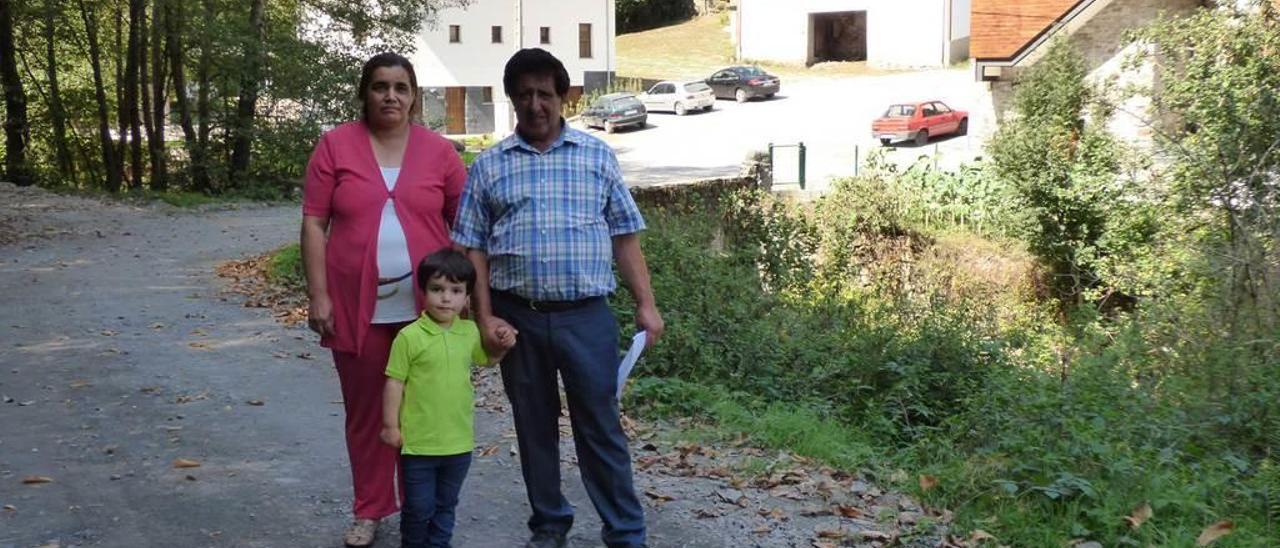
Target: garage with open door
point(837, 36)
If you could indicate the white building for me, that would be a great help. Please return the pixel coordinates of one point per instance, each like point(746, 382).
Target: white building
point(459, 60)
point(885, 33)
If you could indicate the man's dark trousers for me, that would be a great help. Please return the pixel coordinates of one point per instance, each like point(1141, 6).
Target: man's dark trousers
point(580, 343)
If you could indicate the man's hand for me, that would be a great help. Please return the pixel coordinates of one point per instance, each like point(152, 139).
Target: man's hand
point(497, 333)
point(649, 320)
point(506, 336)
point(320, 316)
point(391, 436)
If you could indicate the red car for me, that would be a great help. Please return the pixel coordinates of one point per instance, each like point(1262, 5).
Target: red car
point(918, 122)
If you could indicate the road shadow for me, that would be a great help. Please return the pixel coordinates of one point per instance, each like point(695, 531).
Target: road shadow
point(932, 141)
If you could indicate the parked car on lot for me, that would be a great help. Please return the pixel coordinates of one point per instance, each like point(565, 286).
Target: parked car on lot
point(918, 122)
point(741, 83)
point(678, 97)
point(615, 110)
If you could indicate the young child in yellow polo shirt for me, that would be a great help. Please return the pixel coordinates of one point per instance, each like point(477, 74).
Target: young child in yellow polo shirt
point(427, 406)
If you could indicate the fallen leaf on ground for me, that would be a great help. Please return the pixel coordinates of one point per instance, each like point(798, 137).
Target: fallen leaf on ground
point(489, 451)
point(36, 480)
point(1215, 532)
point(705, 513)
point(10, 508)
point(80, 384)
point(762, 530)
point(186, 463)
point(871, 534)
point(199, 345)
point(658, 496)
point(109, 333)
point(928, 482)
point(192, 397)
point(849, 511)
point(978, 536)
point(824, 544)
point(832, 533)
point(190, 477)
point(256, 403)
point(1139, 516)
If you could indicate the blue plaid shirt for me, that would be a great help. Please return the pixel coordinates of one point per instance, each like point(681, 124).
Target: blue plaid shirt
point(546, 219)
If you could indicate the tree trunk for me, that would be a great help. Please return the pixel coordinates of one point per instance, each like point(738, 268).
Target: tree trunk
point(122, 113)
point(57, 114)
point(156, 120)
point(109, 162)
point(174, 18)
point(15, 103)
point(248, 102)
point(203, 71)
point(137, 13)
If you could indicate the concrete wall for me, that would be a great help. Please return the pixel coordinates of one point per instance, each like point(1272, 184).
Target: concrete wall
point(476, 61)
point(899, 34)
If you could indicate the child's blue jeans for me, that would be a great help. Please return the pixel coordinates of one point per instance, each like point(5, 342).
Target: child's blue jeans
point(431, 487)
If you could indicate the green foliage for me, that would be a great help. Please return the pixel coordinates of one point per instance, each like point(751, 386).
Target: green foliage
point(638, 15)
point(285, 267)
point(1063, 168)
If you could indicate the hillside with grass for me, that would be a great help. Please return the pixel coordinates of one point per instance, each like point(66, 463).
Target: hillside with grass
point(696, 48)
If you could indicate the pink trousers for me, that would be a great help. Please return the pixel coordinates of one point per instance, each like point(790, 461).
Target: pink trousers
point(374, 465)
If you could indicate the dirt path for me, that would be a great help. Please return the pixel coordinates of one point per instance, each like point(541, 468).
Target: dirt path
point(120, 355)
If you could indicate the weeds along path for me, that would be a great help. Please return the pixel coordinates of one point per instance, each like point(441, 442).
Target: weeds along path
point(142, 405)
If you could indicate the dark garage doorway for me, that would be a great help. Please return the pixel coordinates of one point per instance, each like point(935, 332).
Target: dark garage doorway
point(840, 36)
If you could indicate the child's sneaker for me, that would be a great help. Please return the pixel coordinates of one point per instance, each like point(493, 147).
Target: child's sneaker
point(361, 533)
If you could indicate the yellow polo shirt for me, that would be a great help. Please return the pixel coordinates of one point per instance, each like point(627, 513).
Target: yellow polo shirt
point(437, 412)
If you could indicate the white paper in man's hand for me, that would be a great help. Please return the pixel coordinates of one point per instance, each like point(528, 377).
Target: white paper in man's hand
point(629, 360)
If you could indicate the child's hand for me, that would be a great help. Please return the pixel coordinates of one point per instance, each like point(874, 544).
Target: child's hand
point(506, 336)
point(391, 436)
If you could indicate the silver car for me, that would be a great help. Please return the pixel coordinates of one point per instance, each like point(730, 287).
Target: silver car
point(679, 97)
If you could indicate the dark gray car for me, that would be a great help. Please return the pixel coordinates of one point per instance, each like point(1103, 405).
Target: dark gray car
point(615, 110)
point(742, 82)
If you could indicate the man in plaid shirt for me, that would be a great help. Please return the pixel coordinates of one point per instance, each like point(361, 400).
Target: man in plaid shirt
point(543, 216)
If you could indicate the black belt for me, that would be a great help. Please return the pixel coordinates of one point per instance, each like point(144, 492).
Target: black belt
point(546, 306)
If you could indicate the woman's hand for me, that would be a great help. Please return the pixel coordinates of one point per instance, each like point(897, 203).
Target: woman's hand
point(391, 436)
point(320, 316)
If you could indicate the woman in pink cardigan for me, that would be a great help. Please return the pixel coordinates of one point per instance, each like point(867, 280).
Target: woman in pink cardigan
point(380, 193)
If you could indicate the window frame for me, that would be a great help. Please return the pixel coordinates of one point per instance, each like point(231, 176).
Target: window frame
point(455, 34)
point(585, 49)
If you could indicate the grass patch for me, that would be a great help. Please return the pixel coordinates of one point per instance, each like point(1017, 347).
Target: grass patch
point(285, 267)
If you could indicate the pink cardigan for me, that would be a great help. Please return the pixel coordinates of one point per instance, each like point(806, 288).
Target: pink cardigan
point(344, 184)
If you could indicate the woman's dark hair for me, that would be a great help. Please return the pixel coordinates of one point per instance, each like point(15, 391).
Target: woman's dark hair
point(449, 263)
point(387, 60)
point(535, 61)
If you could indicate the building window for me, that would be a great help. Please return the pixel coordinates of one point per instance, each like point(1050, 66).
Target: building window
point(545, 35)
point(486, 96)
point(495, 34)
point(455, 34)
point(584, 40)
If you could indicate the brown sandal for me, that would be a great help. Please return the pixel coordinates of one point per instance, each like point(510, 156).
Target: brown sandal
point(361, 533)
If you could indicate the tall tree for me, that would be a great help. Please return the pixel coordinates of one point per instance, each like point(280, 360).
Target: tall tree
point(137, 13)
point(204, 70)
point(57, 113)
point(247, 105)
point(175, 16)
point(156, 119)
point(15, 103)
point(109, 158)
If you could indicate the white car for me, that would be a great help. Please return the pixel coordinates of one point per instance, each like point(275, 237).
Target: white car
point(679, 97)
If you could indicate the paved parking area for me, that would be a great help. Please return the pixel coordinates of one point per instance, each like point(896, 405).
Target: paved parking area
point(832, 116)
